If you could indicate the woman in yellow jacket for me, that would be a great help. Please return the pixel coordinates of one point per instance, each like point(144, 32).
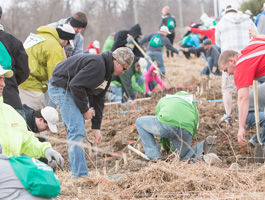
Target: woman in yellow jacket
point(45, 51)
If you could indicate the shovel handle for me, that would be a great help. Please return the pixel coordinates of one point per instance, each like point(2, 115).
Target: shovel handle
point(256, 107)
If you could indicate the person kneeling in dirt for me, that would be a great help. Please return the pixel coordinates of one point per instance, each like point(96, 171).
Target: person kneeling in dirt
point(176, 119)
point(211, 56)
point(40, 121)
point(15, 139)
point(130, 84)
point(77, 81)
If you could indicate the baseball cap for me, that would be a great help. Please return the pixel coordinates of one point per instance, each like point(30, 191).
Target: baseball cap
point(124, 56)
point(230, 8)
point(7, 72)
point(96, 44)
point(156, 71)
point(206, 41)
point(164, 29)
point(50, 114)
point(143, 63)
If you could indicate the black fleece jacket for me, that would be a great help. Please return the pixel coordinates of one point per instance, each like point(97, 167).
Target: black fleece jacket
point(121, 36)
point(84, 75)
point(20, 69)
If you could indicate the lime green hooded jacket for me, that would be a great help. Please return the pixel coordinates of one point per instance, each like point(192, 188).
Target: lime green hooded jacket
point(15, 138)
point(43, 58)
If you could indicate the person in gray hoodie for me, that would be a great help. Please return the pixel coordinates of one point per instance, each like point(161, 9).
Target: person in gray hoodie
point(231, 33)
point(78, 21)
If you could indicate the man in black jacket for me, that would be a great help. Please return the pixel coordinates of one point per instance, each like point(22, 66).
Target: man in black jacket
point(120, 39)
point(13, 56)
point(80, 80)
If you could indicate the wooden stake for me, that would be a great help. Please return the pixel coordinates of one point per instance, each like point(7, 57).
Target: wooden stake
point(124, 159)
point(104, 171)
point(138, 152)
point(117, 165)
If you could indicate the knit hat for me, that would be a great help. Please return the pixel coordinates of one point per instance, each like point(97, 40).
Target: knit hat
point(164, 29)
point(66, 32)
point(50, 114)
point(124, 56)
point(1, 11)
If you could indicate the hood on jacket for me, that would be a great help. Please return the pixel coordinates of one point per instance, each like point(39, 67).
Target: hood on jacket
point(235, 18)
point(108, 65)
point(49, 30)
point(135, 30)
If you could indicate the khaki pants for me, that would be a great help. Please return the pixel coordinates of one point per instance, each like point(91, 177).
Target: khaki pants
point(228, 83)
point(33, 99)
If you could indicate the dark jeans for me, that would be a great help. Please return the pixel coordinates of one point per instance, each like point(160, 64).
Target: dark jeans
point(171, 38)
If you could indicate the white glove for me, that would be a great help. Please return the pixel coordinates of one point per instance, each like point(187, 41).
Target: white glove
point(130, 39)
point(51, 154)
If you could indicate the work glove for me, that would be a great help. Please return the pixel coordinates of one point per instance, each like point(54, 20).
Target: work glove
point(130, 39)
point(148, 94)
point(51, 154)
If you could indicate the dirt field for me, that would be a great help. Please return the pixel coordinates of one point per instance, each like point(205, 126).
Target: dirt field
point(169, 179)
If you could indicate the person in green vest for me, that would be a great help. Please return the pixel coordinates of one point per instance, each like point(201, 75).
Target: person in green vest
point(156, 41)
point(176, 119)
point(108, 43)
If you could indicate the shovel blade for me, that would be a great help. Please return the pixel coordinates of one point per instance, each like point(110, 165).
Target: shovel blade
point(259, 154)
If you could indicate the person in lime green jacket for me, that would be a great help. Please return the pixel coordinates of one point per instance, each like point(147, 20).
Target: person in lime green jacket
point(45, 51)
point(176, 119)
point(15, 138)
point(108, 43)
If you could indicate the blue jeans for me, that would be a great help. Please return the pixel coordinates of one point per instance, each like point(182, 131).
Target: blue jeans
point(115, 94)
point(75, 125)
point(207, 69)
point(158, 57)
point(150, 126)
point(250, 121)
point(152, 85)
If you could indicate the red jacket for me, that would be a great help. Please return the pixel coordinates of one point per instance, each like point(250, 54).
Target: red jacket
point(210, 33)
point(90, 46)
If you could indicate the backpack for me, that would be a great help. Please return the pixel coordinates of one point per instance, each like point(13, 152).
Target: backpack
point(37, 177)
point(185, 39)
point(155, 41)
point(171, 24)
point(5, 58)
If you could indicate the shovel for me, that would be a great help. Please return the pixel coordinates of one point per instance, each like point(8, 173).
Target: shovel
point(259, 154)
point(148, 58)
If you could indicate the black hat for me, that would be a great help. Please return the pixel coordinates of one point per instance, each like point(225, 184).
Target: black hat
point(66, 32)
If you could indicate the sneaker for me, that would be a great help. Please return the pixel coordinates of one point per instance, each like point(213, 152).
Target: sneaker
point(209, 145)
point(252, 143)
point(227, 118)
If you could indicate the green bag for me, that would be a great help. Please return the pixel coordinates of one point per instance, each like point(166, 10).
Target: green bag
point(5, 59)
point(171, 24)
point(37, 177)
point(185, 39)
point(155, 41)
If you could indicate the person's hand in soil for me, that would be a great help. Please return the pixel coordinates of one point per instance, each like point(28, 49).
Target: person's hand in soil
point(89, 114)
point(241, 136)
point(96, 136)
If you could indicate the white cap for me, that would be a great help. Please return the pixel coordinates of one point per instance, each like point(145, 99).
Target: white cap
point(248, 12)
point(50, 114)
point(143, 64)
point(92, 51)
point(164, 29)
point(156, 71)
point(7, 72)
point(231, 7)
point(96, 44)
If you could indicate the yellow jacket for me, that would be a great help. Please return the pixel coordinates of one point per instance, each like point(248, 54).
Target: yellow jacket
point(15, 138)
point(43, 58)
